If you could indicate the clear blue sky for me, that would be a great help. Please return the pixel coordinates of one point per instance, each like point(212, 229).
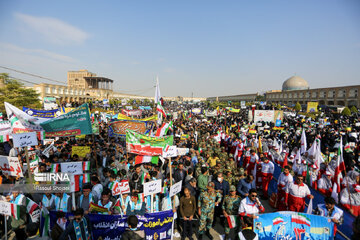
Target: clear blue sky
point(207, 47)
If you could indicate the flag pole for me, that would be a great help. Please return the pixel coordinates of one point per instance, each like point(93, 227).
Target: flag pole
point(6, 233)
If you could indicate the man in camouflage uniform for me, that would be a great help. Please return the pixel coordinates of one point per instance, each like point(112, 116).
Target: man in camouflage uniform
point(231, 207)
point(206, 207)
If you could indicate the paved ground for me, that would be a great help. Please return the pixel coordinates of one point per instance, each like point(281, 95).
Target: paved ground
point(218, 231)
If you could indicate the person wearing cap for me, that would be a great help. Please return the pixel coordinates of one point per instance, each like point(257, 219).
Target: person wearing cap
point(295, 194)
point(313, 176)
point(324, 184)
point(230, 207)
point(331, 211)
point(206, 208)
point(284, 179)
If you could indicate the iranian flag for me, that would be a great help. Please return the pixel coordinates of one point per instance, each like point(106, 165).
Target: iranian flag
point(86, 166)
point(141, 197)
point(146, 159)
point(143, 177)
point(160, 109)
point(164, 129)
point(86, 178)
point(300, 219)
point(231, 219)
point(54, 168)
point(15, 211)
point(40, 135)
point(113, 187)
point(340, 166)
point(277, 220)
point(347, 148)
point(4, 138)
point(30, 205)
point(146, 145)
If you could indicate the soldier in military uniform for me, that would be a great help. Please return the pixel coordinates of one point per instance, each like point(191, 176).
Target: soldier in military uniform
point(206, 207)
point(231, 207)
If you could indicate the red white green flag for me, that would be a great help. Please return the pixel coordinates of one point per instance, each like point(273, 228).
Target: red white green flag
point(160, 109)
point(300, 219)
point(4, 138)
point(30, 205)
point(54, 168)
point(86, 166)
point(231, 219)
point(277, 220)
point(340, 166)
point(146, 159)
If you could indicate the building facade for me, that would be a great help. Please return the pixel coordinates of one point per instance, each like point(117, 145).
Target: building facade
point(235, 98)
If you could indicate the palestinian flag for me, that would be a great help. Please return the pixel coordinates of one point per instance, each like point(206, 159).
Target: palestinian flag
point(231, 219)
point(300, 219)
point(160, 109)
point(30, 205)
point(277, 220)
point(146, 159)
point(40, 135)
point(86, 166)
point(4, 138)
point(117, 205)
point(54, 168)
point(143, 177)
point(15, 211)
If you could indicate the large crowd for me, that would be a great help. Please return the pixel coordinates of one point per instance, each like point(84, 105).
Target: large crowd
point(226, 172)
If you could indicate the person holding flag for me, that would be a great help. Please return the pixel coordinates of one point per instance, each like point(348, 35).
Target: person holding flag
point(284, 180)
point(295, 194)
point(230, 209)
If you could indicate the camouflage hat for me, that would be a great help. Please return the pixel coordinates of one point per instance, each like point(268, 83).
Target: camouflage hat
point(211, 185)
point(232, 188)
point(231, 155)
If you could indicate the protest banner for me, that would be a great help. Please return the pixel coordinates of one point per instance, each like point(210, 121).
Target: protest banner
point(118, 188)
point(145, 107)
point(124, 117)
point(47, 150)
point(5, 127)
point(10, 166)
point(119, 127)
point(22, 122)
point(74, 168)
point(312, 107)
point(233, 110)
point(50, 103)
point(243, 105)
point(81, 151)
point(95, 127)
point(146, 145)
point(25, 139)
point(175, 189)
point(48, 141)
point(42, 113)
point(196, 110)
point(291, 225)
point(9, 209)
point(169, 151)
point(152, 187)
point(182, 151)
point(155, 225)
point(76, 122)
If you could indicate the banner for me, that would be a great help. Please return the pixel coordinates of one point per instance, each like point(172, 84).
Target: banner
point(76, 122)
point(145, 145)
point(145, 107)
point(5, 127)
point(42, 113)
point(196, 110)
point(81, 151)
point(119, 128)
point(312, 107)
point(233, 110)
point(25, 139)
point(22, 122)
point(50, 103)
point(157, 226)
point(132, 112)
point(292, 225)
point(10, 166)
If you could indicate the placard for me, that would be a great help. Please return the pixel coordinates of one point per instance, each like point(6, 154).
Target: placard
point(74, 168)
point(81, 151)
point(5, 208)
point(152, 187)
point(25, 139)
point(169, 151)
point(121, 188)
point(10, 166)
point(175, 189)
point(182, 151)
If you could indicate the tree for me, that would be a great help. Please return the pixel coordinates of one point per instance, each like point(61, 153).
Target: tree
point(346, 112)
point(297, 107)
point(354, 109)
point(16, 94)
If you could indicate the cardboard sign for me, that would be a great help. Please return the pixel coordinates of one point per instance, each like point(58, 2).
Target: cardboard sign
point(10, 166)
point(25, 139)
point(5, 208)
point(170, 151)
point(175, 189)
point(121, 188)
point(74, 168)
point(81, 151)
point(47, 150)
point(120, 127)
point(48, 141)
point(152, 187)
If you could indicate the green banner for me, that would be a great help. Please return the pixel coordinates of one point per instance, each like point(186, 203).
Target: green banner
point(95, 127)
point(145, 145)
point(75, 122)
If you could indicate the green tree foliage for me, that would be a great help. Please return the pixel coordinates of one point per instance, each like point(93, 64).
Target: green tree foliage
point(16, 94)
point(297, 107)
point(354, 109)
point(346, 111)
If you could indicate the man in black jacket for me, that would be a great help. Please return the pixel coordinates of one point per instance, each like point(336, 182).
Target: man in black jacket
point(247, 233)
point(79, 228)
point(132, 233)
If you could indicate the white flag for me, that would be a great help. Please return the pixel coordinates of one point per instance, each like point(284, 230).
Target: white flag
point(303, 142)
point(157, 92)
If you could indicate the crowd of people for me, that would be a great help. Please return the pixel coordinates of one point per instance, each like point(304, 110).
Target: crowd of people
point(227, 172)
